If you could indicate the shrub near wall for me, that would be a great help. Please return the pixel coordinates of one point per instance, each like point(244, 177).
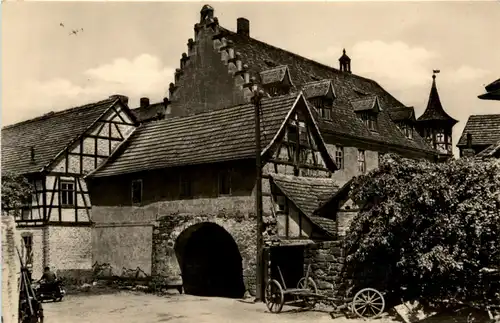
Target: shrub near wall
point(432, 227)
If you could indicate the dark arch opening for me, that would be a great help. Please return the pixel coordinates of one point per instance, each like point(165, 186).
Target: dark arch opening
point(210, 262)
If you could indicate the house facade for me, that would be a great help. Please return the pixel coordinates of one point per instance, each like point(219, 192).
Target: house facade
point(183, 198)
point(54, 152)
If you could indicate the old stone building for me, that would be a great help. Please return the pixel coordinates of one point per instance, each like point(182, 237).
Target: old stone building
point(177, 199)
point(435, 125)
point(54, 152)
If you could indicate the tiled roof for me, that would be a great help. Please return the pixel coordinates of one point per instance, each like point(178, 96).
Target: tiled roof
point(48, 134)
point(316, 89)
point(273, 75)
point(308, 194)
point(150, 112)
point(216, 136)
point(346, 122)
point(434, 110)
point(402, 113)
point(485, 130)
point(364, 104)
point(490, 151)
point(258, 55)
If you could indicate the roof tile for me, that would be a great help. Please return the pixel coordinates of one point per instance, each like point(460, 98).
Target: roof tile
point(485, 130)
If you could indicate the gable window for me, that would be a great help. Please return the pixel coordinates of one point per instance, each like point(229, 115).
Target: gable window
point(224, 182)
point(67, 193)
point(292, 133)
point(370, 121)
point(137, 191)
point(361, 161)
point(339, 156)
point(185, 186)
point(276, 90)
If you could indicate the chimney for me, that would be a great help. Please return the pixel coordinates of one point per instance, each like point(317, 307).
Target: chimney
point(123, 98)
point(243, 27)
point(144, 102)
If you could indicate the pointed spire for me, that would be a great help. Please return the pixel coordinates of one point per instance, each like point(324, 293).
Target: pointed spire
point(434, 110)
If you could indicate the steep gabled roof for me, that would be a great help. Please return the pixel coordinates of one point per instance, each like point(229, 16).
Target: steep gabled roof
point(49, 135)
point(434, 110)
point(258, 56)
point(216, 136)
point(485, 130)
point(492, 91)
point(308, 194)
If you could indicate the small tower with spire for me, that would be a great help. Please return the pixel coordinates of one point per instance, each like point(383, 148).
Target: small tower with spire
point(435, 125)
point(345, 62)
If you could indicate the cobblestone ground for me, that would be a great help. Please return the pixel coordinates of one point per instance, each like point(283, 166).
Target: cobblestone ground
point(129, 307)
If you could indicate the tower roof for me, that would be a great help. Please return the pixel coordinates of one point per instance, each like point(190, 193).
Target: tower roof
point(434, 110)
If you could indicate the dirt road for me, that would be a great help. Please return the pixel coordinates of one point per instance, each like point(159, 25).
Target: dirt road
point(128, 307)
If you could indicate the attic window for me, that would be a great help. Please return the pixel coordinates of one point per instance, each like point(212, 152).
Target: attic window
point(370, 120)
point(407, 130)
point(324, 106)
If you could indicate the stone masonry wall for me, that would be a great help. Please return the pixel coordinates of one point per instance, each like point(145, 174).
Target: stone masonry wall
point(10, 269)
point(39, 247)
point(326, 261)
point(70, 252)
point(241, 228)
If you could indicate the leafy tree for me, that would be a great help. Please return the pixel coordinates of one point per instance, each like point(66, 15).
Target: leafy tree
point(16, 190)
point(430, 227)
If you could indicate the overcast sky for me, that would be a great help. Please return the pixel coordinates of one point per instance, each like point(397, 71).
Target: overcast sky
point(133, 48)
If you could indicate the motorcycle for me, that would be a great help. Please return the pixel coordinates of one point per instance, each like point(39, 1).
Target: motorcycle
point(44, 292)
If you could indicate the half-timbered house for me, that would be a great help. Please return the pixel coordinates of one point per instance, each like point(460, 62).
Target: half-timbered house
point(54, 152)
point(183, 194)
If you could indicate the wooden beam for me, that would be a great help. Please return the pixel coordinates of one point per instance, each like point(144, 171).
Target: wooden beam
point(52, 199)
point(88, 155)
point(119, 132)
point(285, 162)
point(44, 197)
point(75, 192)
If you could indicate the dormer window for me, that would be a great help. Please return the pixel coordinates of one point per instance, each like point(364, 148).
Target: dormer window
point(276, 81)
point(367, 109)
point(321, 95)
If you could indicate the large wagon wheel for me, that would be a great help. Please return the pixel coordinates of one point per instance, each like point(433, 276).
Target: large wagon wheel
point(310, 286)
point(274, 296)
point(368, 303)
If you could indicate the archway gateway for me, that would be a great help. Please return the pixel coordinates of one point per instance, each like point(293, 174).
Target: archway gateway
point(210, 261)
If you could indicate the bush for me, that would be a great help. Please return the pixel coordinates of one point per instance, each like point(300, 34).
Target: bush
point(428, 227)
point(16, 190)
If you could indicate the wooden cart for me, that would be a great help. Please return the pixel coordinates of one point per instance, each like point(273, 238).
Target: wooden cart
point(366, 303)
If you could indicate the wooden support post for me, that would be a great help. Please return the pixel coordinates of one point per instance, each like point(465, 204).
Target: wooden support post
point(258, 199)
